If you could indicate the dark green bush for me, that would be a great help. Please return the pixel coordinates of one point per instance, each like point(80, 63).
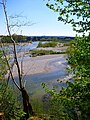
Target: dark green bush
point(44, 52)
point(47, 44)
point(8, 103)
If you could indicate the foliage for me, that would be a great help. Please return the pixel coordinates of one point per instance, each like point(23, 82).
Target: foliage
point(3, 68)
point(21, 38)
point(73, 101)
point(17, 38)
point(57, 110)
point(37, 106)
point(47, 44)
point(76, 97)
point(8, 103)
point(76, 12)
point(66, 44)
point(44, 52)
point(79, 56)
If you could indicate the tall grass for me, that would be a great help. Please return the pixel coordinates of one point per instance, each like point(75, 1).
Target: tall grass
point(47, 44)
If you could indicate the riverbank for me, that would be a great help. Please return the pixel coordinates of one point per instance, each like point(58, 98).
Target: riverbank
point(55, 49)
point(40, 64)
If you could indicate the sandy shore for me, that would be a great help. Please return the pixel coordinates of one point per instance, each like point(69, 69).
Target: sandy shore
point(39, 64)
point(56, 49)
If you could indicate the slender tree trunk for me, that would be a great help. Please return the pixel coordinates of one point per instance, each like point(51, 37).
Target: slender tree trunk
point(26, 104)
point(25, 97)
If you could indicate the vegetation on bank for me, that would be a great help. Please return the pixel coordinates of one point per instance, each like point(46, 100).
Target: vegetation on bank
point(47, 44)
point(53, 44)
point(8, 103)
point(21, 38)
point(17, 38)
point(35, 53)
point(9, 106)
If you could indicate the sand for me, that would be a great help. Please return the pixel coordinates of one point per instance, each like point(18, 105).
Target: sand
point(55, 49)
point(39, 64)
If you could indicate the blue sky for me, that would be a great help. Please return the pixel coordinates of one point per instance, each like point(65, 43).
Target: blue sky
point(35, 11)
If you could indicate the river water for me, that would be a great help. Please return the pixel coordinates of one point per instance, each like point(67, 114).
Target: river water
point(33, 82)
point(22, 47)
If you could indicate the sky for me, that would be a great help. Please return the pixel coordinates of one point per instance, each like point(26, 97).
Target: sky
point(42, 20)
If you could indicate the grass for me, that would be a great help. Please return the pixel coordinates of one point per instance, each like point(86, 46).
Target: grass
point(47, 44)
point(44, 52)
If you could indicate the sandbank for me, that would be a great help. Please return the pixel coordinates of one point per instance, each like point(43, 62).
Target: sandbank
point(39, 64)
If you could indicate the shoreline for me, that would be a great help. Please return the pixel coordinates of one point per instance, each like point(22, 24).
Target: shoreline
point(40, 64)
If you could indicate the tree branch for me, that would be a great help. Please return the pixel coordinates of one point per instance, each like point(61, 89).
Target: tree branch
point(14, 44)
point(9, 67)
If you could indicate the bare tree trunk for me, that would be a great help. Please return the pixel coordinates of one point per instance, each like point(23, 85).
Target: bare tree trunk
point(26, 103)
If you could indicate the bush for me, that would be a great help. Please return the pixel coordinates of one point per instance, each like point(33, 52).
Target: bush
point(73, 102)
point(8, 103)
point(44, 52)
point(47, 44)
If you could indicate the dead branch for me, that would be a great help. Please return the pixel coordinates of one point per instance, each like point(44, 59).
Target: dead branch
point(12, 65)
point(10, 70)
point(26, 104)
point(14, 44)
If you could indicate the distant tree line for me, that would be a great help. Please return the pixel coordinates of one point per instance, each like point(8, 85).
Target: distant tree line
point(17, 38)
point(21, 38)
point(50, 38)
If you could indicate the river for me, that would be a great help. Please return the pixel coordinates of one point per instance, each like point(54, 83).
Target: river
point(34, 81)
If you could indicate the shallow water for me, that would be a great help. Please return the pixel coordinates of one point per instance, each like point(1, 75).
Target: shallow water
point(33, 82)
point(23, 47)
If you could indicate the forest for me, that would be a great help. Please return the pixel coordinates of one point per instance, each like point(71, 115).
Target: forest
point(21, 38)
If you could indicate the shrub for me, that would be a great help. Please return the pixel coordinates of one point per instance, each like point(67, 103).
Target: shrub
point(44, 52)
point(8, 103)
point(47, 44)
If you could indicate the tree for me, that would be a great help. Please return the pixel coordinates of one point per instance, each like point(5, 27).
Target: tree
point(8, 104)
point(21, 86)
point(74, 99)
point(75, 12)
point(79, 57)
